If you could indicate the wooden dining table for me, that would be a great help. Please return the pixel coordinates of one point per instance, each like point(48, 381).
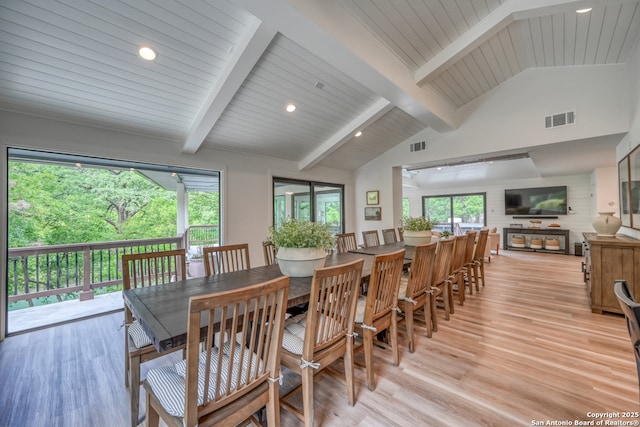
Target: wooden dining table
point(162, 310)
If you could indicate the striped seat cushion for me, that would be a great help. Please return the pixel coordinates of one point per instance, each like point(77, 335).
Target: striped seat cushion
point(403, 288)
point(138, 335)
point(293, 336)
point(169, 382)
point(362, 303)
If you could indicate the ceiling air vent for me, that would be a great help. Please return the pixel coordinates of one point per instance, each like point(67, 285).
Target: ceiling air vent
point(418, 146)
point(562, 119)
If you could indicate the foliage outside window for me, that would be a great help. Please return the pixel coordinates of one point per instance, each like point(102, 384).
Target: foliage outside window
point(456, 212)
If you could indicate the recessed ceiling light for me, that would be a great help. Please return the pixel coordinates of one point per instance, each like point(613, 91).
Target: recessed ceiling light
point(585, 10)
point(291, 108)
point(147, 53)
point(358, 133)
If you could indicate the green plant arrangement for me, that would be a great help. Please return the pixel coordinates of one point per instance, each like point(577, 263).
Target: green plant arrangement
point(445, 234)
point(302, 234)
point(419, 223)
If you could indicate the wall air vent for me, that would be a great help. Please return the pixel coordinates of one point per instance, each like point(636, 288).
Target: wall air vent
point(562, 119)
point(418, 146)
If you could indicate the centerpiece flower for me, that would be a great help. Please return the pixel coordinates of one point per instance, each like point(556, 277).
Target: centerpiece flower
point(301, 246)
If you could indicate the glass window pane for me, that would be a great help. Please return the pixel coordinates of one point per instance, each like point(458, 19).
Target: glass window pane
point(328, 205)
point(438, 209)
point(468, 211)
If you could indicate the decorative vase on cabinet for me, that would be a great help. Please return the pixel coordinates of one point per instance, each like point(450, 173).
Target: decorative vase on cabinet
point(606, 225)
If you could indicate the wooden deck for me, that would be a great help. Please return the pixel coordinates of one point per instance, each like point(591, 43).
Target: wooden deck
point(526, 348)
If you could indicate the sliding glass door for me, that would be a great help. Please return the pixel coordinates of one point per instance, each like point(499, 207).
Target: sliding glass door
point(456, 212)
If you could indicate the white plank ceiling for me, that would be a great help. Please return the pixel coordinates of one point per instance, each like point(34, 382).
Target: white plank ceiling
point(227, 68)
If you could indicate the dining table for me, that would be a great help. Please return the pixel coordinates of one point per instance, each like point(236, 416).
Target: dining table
point(162, 310)
point(389, 248)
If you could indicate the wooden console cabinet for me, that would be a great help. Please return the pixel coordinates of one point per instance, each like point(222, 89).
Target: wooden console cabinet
point(556, 233)
point(608, 259)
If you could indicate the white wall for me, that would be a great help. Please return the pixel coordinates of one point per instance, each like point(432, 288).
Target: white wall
point(632, 139)
point(246, 181)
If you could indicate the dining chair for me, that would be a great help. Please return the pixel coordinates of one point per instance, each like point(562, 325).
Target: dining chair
point(467, 268)
point(225, 259)
point(389, 235)
point(269, 250)
point(315, 339)
point(440, 281)
point(377, 311)
point(346, 242)
point(414, 292)
point(400, 234)
point(456, 273)
point(631, 310)
point(478, 258)
point(141, 270)
point(370, 238)
point(224, 384)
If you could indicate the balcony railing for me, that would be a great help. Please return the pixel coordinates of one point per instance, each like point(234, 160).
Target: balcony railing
point(43, 271)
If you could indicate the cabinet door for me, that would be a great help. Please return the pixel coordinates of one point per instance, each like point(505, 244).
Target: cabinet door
point(616, 264)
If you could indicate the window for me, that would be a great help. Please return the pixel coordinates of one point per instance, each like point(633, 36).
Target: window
point(308, 201)
point(456, 212)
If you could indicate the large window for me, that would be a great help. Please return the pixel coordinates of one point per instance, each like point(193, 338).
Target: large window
point(456, 212)
point(309, 201)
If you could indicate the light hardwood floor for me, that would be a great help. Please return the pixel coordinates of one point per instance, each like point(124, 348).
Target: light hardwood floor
point(525, 348)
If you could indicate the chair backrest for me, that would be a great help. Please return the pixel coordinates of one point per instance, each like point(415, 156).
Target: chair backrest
point(270, 251)
point(370, 238)
point(389, 235)
point(481, 245)
point(400, 234)
point(631, 310)
point(225, 259)
point(459, 252)
point(229, 371)
point(384, 282)
point(346, 242)
point(443, 261)
point(152, 268)
point(332, 306)
point(421, 271)
point(471, 247)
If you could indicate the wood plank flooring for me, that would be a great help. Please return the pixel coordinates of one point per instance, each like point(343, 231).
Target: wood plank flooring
point(525, 348)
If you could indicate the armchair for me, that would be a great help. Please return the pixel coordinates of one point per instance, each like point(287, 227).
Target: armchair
point(493, 243)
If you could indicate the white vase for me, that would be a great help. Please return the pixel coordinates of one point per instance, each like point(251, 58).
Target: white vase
point(416, 238)
point(300, 262)
point(606, 224)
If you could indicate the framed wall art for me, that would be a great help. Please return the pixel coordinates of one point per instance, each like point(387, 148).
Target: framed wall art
point(373, 214)
point(373, 197)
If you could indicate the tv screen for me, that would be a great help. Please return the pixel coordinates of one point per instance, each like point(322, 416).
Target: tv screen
point(536, 201)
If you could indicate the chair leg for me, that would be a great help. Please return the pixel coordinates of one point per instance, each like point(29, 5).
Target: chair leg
point(408, 321)
point(126, 357)
point(475, 275)
point(307, 395)
point(152, 419)
point(450, 295)
point(367, 340)
point(482, 272)
point(447, 301)
point(273, 406)
point(434, 317)
point(394, 338)
point(348, 372)
point(427, 315)
point(134, 389)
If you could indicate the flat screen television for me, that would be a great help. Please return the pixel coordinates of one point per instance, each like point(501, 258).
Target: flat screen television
point(536, 201)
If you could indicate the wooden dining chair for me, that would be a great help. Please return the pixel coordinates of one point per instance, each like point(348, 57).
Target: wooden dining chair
point(414, 293)
point(631, 310)
point(400, 234)
point(224, 384)
point(440, 281)
point(389, 235)
point(269, 250)
point(478, 258)
point(370, 238)
point(141, 270)
point(225, 259)
point(346, 242)
point(456, 273)
point(315, 339)
point(377, 311)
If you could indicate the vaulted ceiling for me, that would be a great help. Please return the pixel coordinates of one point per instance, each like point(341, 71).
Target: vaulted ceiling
point(226, 69)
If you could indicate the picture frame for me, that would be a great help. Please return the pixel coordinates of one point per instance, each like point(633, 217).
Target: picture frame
point(373, 213)
point(373, 197)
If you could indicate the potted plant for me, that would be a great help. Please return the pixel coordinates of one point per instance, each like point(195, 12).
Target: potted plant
point(445, 234)
point(301, 246)
point(417, 230)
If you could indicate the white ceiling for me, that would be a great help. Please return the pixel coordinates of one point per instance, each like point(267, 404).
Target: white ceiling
point(227, 68)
